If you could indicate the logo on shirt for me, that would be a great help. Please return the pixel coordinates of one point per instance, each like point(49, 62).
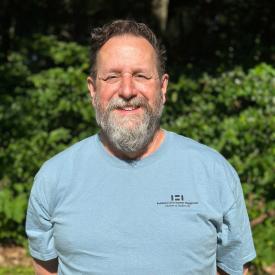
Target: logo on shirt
point(177, 201)
point(177, 198)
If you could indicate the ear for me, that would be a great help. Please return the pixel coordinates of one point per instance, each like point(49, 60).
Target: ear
point(92, 88)
point(163, 87)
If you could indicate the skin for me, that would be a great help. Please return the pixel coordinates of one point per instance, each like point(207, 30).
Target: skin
point(127, 55)
point(45, 267)
point(245, 271)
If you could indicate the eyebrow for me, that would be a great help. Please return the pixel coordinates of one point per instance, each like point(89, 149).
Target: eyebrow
point(117, 70)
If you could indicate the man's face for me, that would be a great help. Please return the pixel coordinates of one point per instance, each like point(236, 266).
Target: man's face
point(128, 94)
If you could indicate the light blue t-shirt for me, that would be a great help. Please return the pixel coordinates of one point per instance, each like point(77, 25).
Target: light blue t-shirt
point(178, 211)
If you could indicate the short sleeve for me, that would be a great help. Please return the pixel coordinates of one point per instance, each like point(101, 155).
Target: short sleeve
point(39, 227)
point(235, 244)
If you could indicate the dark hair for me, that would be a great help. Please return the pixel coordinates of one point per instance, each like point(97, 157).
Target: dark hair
point(99, 36)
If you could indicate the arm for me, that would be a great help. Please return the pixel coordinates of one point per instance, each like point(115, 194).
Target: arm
point(45, 267)
point(39, 228)
point(245, 270)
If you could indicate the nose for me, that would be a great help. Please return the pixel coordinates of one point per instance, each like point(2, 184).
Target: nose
point(127, 89)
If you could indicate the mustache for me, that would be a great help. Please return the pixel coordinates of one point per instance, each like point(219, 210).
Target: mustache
point(118, 103)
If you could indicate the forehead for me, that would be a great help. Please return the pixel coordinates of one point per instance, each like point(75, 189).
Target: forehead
point(126, 50)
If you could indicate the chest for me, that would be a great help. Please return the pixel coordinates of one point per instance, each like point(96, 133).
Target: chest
point(131, 221)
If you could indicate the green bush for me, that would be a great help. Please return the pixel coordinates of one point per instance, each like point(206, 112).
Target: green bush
point(235, 114)
point(44, 107)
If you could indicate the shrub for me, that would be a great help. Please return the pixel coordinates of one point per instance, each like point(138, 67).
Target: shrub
point(235, 114)
point(44, 107)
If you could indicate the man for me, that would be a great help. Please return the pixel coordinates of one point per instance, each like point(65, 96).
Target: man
point(136, 199)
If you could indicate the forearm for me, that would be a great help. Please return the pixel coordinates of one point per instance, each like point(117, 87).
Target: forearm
point(245, 270)
point(45, 267)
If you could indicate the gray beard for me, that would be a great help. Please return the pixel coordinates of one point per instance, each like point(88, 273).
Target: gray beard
point(132, 133)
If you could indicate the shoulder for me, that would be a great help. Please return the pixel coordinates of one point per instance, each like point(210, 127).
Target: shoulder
point(56, 172)
point(71, 154)
point(204, 157)
point(187, 146)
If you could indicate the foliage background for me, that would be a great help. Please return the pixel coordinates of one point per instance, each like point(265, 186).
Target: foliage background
point(222, 91)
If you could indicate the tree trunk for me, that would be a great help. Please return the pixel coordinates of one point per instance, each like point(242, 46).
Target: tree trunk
point(160, 10)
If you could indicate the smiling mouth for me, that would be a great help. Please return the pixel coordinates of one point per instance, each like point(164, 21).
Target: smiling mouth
point(128, 108)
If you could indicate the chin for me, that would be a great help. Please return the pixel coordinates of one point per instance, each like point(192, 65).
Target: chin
point(128, 121)
point(130, 125)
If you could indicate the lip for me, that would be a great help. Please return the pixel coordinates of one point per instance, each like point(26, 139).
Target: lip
point(129, 110)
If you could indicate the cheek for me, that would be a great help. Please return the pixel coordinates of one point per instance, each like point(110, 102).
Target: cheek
point(155, 97)
point(106, 94)
point(150, 92)
point(103, 97)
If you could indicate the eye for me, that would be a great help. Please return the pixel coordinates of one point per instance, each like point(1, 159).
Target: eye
point(142, 76)
point(111, 78)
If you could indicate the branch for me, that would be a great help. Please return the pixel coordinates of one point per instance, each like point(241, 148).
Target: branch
point(262, 218)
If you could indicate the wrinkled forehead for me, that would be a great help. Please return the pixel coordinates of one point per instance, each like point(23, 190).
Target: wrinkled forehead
point(126, 51)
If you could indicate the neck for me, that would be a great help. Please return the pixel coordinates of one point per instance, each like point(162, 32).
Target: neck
point(149, 149)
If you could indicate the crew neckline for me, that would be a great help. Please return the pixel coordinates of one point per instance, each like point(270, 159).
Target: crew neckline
point(146, 161)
